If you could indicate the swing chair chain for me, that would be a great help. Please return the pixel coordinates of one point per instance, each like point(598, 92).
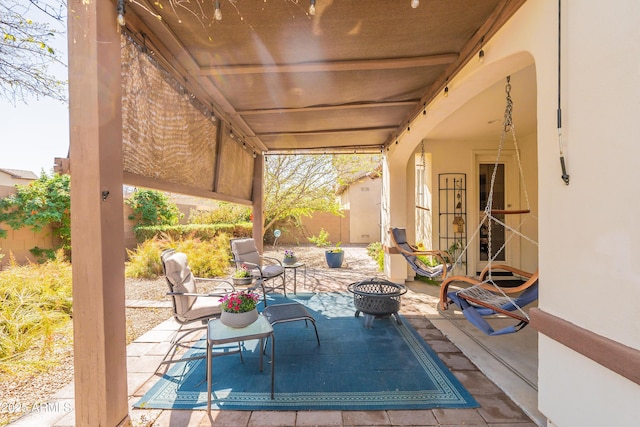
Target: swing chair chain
point(508, 120)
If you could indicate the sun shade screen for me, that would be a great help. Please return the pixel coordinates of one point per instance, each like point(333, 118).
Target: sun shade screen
point(167, 135)
point(235, 176)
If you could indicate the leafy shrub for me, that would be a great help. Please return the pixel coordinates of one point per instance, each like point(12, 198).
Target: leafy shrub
point(429, 260)
point(375, 251)
point(151, 207)
point(225, 213)
point(35, 304)
point(193, 231)
point(44, 201)
point(322, 239)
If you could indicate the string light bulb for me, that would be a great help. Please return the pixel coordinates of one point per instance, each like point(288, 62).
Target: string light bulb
point(217, 13)
point(312, 7)
point(415, 3)
point(481, 56)
point(446, 91)
point(121, 11)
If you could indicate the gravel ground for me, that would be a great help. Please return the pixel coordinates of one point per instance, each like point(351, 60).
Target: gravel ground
point(38, 388)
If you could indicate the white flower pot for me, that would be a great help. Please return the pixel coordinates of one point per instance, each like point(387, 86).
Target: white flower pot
point(239, 320)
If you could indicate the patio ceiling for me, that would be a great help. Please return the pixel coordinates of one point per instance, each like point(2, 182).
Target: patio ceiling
point(349, 78)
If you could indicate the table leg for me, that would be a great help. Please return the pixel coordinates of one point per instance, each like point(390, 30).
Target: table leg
point(295, 280)
point(273, 362)
point(208, 377)
point(261, 352)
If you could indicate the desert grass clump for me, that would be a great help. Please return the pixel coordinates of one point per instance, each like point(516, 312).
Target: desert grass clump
point(35, 313)
point(144, 261)
point(207, 258)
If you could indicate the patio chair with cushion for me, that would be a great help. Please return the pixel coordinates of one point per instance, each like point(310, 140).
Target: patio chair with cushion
point(265, 270)
point(411, 253)
point(189, 306)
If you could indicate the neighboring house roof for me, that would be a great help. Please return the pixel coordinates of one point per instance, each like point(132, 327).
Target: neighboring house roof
point(21, 174)
point(376, 173)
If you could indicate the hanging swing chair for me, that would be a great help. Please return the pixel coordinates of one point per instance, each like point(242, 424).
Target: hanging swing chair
point(486, 296)
point(411, 254)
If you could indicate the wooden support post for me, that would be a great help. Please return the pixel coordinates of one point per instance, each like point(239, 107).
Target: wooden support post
point(258, 201)
point(97, 224)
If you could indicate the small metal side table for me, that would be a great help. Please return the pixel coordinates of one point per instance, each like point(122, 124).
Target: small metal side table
point(295, 268)
point(217, 333)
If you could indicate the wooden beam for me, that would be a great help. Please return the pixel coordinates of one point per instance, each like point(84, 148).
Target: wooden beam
point(326, 131)
point(323, 67)
point(258, 202)
point(354, 106)
point(97, 224)
point(146, 182)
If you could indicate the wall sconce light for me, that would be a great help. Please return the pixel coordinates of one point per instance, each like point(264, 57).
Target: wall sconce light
point(481, 53)
point(121, 11)
point(217, 13)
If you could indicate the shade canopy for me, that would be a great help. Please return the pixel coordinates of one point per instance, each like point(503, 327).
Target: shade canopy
point(349, 78)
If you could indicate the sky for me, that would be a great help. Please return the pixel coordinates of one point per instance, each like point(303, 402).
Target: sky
point(33, 134)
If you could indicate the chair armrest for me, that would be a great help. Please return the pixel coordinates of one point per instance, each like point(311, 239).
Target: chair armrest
point(272, 260)
point(188, 294)
point(252, 266)
point(485, 271)
point(444, 288)
point(224, 285)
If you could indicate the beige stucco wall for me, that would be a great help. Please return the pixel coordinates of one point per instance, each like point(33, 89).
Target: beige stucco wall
point(337, 226)
point(18, 242)
point(461, 158)
point(362, 199)
point(588, 239)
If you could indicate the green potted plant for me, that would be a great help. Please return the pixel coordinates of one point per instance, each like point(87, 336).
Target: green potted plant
point(334, 256)
point(239, 309)
point(242, 276)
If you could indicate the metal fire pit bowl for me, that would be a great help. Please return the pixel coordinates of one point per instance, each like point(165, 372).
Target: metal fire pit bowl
point(377, 298)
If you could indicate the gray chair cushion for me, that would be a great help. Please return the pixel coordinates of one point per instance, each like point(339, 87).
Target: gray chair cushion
point(182, 281)
point(244, 250)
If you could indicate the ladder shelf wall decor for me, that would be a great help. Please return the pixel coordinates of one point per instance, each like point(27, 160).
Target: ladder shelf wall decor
point(452, 213)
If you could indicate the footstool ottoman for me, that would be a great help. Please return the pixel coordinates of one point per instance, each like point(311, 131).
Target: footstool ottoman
point(290, 312)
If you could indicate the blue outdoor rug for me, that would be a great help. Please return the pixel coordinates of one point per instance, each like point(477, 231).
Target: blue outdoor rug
point(386, 367)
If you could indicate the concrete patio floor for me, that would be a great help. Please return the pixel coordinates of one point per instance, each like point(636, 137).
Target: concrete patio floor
point(477, 361)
